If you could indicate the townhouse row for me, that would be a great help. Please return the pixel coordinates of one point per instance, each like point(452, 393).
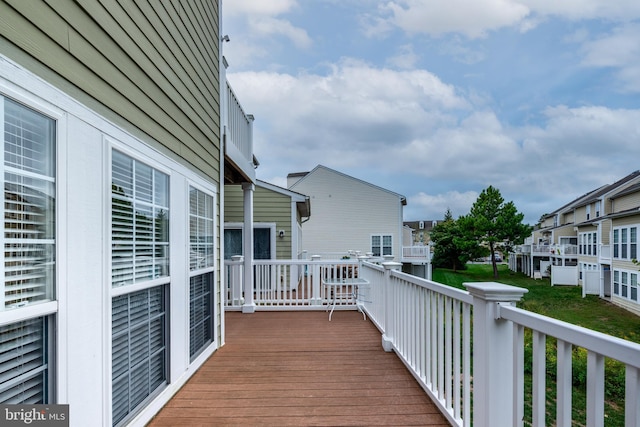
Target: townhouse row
point(590, 242)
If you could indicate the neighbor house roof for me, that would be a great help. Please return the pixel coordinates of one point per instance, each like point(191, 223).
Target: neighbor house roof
point(304, 175)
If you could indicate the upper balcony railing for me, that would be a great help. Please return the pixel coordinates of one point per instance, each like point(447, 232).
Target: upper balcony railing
point(421, 254)
point(440, 333)
point(238, 134)
point(604, 253)
point(563, 250)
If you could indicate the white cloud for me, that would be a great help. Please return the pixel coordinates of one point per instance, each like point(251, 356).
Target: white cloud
point(267, 26)
point(476, 18)
point(263, 19)
point(434, 206)
point(619, 49)
point(473, 18)
point(253, 7)
point(613, 10)
point(405, 58)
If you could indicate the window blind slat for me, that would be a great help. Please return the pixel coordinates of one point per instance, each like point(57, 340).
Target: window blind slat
point(138, 348)
point(23, 365)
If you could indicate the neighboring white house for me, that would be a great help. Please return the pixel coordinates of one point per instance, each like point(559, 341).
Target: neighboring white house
point(349, 214)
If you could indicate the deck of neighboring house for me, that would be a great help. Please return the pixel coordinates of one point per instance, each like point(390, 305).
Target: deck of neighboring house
point(297, 368)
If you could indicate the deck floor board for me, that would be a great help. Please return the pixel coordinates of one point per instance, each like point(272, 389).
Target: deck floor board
point(299, 369)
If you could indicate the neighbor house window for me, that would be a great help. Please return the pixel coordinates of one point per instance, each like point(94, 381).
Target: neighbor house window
point(588, 243)
point(625, 284)
point(381, 245)
point(625, 242)
point(140, 253)
point(201, 238)
point(28, 258)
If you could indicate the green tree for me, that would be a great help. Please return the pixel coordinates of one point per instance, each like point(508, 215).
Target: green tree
point(492, 223)
point(446, 253)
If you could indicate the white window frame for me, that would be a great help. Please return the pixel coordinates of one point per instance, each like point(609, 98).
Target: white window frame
point(56, 335)
point(164, 280)
point(622, 242)
point(382, 245)
point(627, 282)
point(206, 270)
point(269, 225)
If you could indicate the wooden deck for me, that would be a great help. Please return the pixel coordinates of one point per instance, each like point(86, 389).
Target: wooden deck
point(297, 368)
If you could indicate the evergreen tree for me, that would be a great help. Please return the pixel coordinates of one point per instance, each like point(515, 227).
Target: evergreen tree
point(446, 253)
point(492, 223)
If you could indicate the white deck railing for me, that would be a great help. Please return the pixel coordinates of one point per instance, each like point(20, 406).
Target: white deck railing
point(290, 284)
point(420, 254)
point(429, 326)
point(239, 125)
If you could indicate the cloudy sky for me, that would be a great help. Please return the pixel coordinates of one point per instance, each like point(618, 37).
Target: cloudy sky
point(438, 99)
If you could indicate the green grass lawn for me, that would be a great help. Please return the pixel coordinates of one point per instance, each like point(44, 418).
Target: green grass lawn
point(560, 302)
point(567, 304)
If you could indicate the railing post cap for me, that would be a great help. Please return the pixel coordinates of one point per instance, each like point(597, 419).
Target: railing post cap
point(494, 291)
point(237, 257)
point(391, 265)
point(315, 257)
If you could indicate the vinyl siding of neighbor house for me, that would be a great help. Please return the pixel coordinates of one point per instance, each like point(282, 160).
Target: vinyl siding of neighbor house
point(268, 207)
point(605, 232)
point(626, 202)
point(563, 232)
point(346, 212)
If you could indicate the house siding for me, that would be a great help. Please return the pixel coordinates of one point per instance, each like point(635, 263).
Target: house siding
point(132, 64)
point(605, 232)
point(268, 207)
point(346, 212)
point(626, 202)
point(140, 77)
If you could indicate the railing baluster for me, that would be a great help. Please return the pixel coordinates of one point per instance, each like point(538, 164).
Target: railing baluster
point(466, 369)
point(456, 359)
point(539, 379)
point(632, 396)
point(564, 384)
point(448, 364)
point(518, 375)
point(595, 389)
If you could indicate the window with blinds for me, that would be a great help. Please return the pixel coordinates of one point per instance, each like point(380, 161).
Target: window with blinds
point(24, 369)
point(200, 309)
point(139, 222)
point(201, 256)
point(200, 229)
point(29, 205)
point(139, 352)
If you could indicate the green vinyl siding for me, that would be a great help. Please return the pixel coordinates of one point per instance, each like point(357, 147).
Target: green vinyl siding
point(151, 67)
point(268, 207)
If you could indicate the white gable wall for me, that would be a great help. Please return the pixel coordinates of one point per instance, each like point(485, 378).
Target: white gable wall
point(346, 212)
